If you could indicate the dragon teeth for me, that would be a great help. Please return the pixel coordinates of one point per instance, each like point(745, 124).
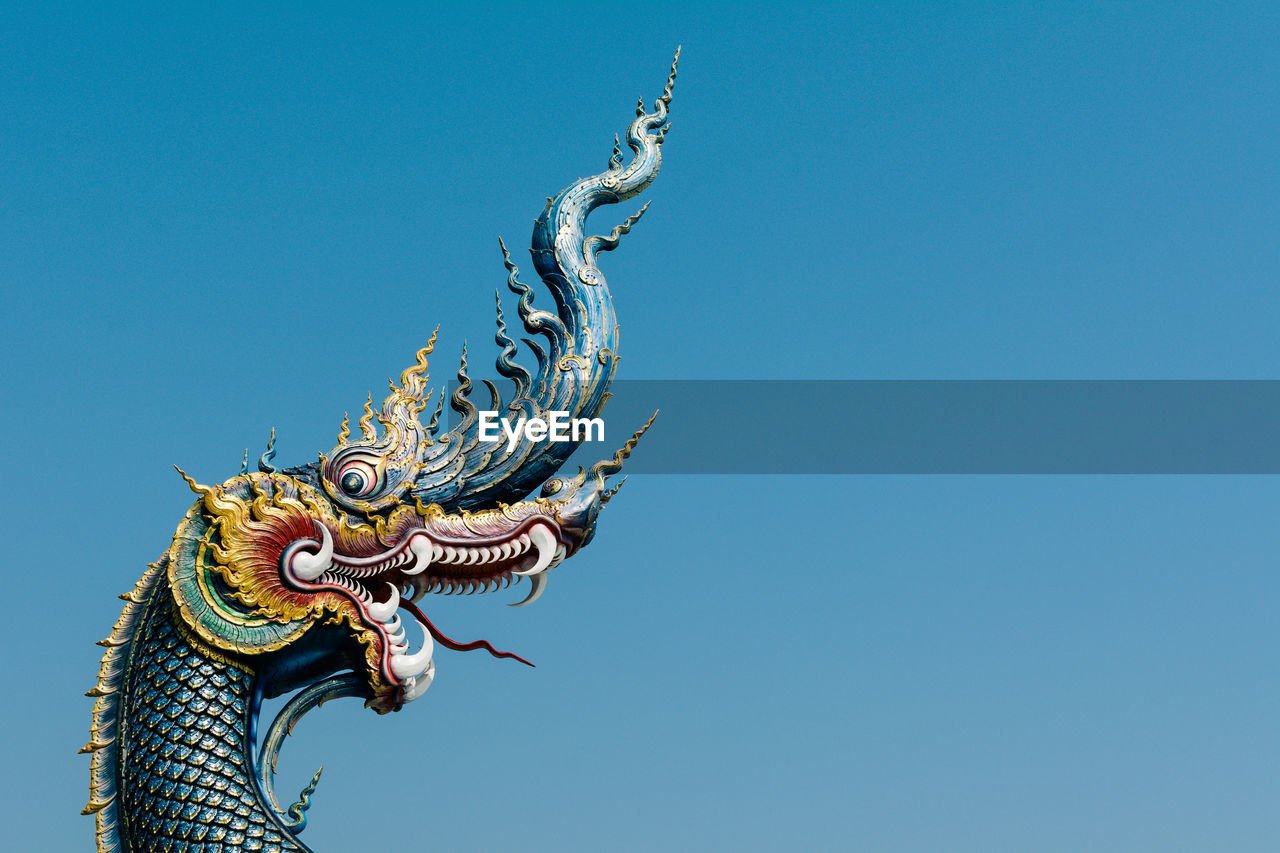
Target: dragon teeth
point(307, 565)
point(417, 685)
point(383, 611)
point(539, 583)
point(405, 666)
point(422, 551)
point(529, 554)
point(545, 541)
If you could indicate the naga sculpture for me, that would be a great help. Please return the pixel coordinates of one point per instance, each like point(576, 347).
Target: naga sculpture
point(295, 580)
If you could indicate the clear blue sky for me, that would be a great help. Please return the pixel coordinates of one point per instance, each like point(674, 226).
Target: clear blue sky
point(220, 221)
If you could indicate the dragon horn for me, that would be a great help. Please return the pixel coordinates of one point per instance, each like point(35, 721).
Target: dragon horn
point(577, 360)
point(580, 500)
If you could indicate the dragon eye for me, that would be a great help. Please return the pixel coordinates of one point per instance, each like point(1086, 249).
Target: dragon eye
point(357, 478)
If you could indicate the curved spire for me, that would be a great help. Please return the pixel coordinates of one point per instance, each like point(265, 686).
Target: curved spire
point(578, 354)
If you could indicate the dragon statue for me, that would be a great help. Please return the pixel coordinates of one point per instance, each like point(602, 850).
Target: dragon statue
point(294, 581)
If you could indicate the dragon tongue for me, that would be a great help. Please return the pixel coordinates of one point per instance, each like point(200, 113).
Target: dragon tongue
point(448, 643)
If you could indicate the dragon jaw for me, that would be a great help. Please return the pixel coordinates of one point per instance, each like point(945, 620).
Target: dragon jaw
point(503, 548)
point(265, 558)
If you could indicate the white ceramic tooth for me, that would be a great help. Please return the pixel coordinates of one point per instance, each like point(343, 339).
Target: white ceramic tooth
point(420, 684)
point(539, 583)
point(403, 666)
point(437, 553)
point(384, 610)
point(473, 555)
point(449, 554)
point(545, 541)
point(309, 566)
point(422, 553)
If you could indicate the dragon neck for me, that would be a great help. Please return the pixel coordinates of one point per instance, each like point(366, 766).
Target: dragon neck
point(172, 740)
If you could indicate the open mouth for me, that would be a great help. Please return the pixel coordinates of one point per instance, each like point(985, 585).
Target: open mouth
point(385, 583)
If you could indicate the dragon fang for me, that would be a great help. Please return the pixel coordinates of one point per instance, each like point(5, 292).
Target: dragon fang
point(305, 580)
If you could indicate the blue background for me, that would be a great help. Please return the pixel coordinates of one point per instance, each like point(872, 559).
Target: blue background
point(213, 222)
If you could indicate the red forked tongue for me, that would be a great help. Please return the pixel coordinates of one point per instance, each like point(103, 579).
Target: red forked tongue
point(454, 644)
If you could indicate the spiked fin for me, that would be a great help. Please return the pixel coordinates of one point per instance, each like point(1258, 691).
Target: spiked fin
point(615, 159)
point(594, 245)
point(264, 461)
point(103, 770)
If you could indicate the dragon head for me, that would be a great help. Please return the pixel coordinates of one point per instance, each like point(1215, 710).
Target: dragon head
point(314, 576)
point(306, 580)
point(317, 569)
